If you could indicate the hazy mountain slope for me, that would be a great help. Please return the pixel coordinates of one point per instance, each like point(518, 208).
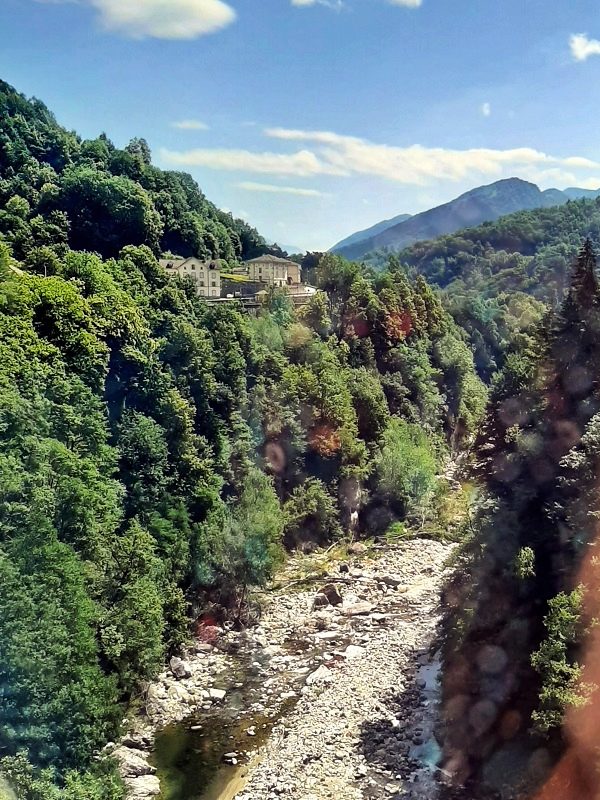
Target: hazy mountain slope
point(367, 233)
point(573, 193)
point(483, 204)
point(529, 251)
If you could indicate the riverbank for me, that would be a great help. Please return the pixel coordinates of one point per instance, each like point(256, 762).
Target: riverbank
point(331, 696)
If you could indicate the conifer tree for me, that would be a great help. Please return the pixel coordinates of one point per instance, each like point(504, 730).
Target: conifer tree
point(522, 558)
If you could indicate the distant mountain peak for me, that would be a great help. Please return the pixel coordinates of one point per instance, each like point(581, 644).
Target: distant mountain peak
point(481, 204)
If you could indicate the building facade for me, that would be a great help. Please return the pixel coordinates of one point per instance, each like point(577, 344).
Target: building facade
point(206, 275)
point(273, 271)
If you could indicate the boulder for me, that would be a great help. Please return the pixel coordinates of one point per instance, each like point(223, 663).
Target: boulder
point(320, 601)
point(357, 548)
point(180, 668)
point(395, 581)
point(332, 593)
point(321, 675)
point(380, 618)
point(137, 741)
point(328, 636)
point(203, 647)
point(132, 763)
point(143, 786)
point(358, 609)
point(217, 694)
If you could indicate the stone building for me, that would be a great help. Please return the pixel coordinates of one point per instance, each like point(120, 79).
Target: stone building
point(273, 270)
point(206, 275)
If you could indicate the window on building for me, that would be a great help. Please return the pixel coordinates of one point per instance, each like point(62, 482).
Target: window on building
point(213, 283)
point(193, 266)
point(201, 283)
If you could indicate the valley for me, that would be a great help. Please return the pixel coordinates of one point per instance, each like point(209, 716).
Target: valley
point(320, 701)
point(332, 549)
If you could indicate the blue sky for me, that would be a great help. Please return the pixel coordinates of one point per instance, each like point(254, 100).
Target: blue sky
point(313, 118)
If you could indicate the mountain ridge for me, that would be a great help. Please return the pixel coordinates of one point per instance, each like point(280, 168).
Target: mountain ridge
point(372, 230)
point(481, 204)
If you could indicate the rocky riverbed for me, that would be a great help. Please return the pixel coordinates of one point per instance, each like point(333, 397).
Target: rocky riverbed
point(333, 695)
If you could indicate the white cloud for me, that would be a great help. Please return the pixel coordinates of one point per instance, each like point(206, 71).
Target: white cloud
point(418, 165)
point(407, 3)
point(329, 153)
point(337, 4)
point(589, 183)
point(582, 47)
point(302, 163)
point(270, 188)
point(486, 109)
point(576, 162)
point(162, 19)
point(190, 125)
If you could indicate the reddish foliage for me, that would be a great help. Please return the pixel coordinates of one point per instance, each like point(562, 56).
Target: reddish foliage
point(398, 325)
point(355, 325)
point(325, 440)
point(206, 629)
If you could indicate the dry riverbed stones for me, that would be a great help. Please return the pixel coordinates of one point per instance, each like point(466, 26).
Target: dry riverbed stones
point(350, 664)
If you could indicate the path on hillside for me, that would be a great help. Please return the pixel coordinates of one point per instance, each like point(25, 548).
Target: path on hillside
point(336, 702)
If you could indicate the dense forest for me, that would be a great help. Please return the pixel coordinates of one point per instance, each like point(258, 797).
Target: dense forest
point(525, 596)
point(58, 191)
point(528, 251)
point(158, 453)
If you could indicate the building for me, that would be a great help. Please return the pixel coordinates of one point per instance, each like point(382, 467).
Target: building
point(273, 270)
point(294, 273)
point(206, 275)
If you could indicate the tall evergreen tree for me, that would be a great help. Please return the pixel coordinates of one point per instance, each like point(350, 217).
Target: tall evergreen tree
point(499, 668)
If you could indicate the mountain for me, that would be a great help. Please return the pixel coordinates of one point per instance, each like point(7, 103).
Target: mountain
point(367, 233)
point(290, 249)
point(483, 204)
point(527, 251)
point(581, 194)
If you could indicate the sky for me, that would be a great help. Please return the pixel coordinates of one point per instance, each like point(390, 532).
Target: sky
point(315, 118)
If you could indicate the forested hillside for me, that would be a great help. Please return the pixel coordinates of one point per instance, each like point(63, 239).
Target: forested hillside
point(526, 594)
point(158, 453)
point(60, 191)
point(530, 251)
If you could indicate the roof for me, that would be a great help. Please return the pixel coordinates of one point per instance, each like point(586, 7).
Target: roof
point(179, 262)
point(269, 259)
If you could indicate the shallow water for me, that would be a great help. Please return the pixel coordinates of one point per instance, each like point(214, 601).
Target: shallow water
point(189, 755)
point(190, 762)
point(429, 754)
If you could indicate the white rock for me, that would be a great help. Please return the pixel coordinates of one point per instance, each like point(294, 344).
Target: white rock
point(321, 675)
point(358, 609)
point(132, 763)
point(354, 651)
point(327, 636)
point(143, 786)
point(217, 694)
